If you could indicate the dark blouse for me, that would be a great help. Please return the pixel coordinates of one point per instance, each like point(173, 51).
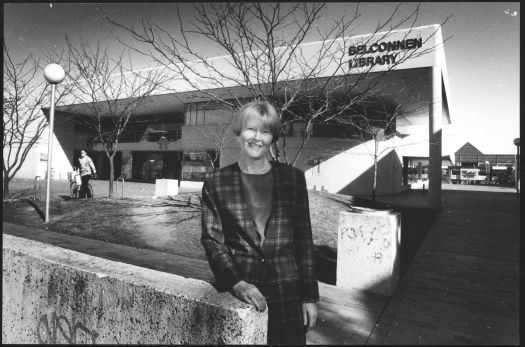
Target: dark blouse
point(257, 190)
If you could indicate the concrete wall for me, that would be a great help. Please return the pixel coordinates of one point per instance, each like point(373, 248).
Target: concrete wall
point(29, 168)
point(54, 295)
point(66, 140)
point(389, 177)
point(351, 171)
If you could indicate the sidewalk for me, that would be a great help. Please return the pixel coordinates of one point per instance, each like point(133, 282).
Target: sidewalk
point(463, 285)
point(461, 288)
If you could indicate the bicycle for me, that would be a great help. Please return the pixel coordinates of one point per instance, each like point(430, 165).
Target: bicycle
point(76, 183)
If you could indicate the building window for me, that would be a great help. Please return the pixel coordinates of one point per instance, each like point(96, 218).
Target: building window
point(207, 113)
point(195, 164)
point(152, 133)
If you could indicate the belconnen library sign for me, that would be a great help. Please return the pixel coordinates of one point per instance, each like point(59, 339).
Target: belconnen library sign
point(390, 47)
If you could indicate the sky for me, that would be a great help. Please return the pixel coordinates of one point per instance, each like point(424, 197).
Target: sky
point(482, 52)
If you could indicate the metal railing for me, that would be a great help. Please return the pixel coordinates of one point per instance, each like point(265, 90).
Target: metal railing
point(153, 136)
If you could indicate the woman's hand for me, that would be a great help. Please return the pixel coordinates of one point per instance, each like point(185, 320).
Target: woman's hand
point(249, 294)
point(309, 315)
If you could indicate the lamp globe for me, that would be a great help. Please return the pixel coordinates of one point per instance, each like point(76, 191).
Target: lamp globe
point(54, 73)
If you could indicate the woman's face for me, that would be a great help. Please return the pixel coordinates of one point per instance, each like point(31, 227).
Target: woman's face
point(255, 139)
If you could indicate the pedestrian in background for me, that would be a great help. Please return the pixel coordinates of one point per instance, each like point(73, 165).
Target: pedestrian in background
point(87, 171)
point(256, 230)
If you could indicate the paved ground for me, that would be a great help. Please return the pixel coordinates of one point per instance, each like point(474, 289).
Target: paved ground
point(463, 285)
point(461, 288)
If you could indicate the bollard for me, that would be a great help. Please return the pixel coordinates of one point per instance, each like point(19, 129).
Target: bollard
point(122, 187)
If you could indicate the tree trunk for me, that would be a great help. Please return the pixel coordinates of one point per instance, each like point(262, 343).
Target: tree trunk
point(111, 174)
point(306, 137)
point(299, 151)
point(374, 185)
point(6, 188)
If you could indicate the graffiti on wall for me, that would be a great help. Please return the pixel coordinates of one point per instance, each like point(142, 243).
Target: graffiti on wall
point(371, 238)
point(57, 328)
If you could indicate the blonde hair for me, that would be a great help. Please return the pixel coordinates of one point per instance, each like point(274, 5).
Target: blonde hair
point(261, 110)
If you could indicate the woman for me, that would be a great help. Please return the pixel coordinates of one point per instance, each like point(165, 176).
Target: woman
point(256, 230)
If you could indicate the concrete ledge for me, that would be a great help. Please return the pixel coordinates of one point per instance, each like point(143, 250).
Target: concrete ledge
point(55, 295)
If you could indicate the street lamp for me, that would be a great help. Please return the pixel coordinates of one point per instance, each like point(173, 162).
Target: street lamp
point(517, 143)
point(488, 171)
point(54, 74)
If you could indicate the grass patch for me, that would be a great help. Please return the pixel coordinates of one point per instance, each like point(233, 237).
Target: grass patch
point(173, 224)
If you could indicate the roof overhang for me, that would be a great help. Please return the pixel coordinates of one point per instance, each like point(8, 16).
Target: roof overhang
point(412, 75)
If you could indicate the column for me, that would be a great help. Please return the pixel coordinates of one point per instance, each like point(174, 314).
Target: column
point(127, 167)
point(405, 171)
point(434, 136)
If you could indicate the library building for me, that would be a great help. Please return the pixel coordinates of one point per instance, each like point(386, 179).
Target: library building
point(183, 135)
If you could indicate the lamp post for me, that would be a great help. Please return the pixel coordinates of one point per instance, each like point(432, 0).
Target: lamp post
point(488, 171)
point(517, 180)
point(54, 74)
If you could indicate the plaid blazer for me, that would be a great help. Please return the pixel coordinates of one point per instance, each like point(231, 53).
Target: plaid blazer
point(283, 266)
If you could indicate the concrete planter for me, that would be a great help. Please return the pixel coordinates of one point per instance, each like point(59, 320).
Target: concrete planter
point(164, 187)
point(368, 250)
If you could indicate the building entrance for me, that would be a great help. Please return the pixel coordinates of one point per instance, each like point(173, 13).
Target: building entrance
point(149, 166)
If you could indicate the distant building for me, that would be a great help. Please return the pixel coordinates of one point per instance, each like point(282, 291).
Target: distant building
point(468, 155)
point(474, 167)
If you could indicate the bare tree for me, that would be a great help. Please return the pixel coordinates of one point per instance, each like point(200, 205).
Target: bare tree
point(266, 58)
point(25, 93)
point(111, 91)
point(218, 135)
point(376, 120)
